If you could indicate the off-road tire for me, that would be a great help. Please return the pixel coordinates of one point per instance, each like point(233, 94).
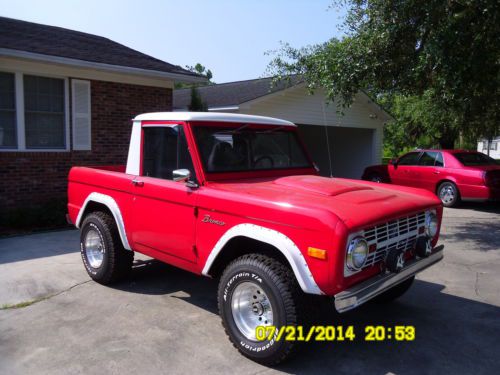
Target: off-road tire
point(395, 292)
point(117, 261)
point(279, 284)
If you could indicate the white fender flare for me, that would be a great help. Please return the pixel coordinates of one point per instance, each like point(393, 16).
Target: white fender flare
point(281, 242)
point(110, 203)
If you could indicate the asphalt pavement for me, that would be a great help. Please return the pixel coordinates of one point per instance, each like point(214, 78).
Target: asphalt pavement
point(164, 320)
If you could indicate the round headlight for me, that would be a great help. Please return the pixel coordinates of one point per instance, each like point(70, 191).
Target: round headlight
point(357, 252)
point(431, 224)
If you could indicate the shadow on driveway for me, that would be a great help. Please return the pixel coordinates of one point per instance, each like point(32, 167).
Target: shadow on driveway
point(39, 245)
point(483, 236)
point(453, 334)
point(487, 207)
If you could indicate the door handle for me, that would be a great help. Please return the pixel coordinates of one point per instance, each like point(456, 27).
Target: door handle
point(436, 172)
point(137, 182)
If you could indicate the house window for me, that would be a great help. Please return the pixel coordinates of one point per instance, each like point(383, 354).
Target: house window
point(7, 111)
point(33, 113)
point(44, 119)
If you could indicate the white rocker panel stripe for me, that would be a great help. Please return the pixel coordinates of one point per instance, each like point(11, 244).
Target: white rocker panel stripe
point(276, 239)
point(115, 210)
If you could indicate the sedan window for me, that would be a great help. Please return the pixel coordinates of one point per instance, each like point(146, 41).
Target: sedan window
point(428, 159)
point(439, 160)
point(409, 159)
point(474, 158)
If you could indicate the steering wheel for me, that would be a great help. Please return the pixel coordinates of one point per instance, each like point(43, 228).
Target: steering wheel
point(263, 157)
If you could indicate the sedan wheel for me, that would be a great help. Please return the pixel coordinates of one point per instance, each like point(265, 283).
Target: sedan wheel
point(448, 193)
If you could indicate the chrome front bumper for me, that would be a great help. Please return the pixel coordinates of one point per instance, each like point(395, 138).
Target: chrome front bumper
point(361, 293)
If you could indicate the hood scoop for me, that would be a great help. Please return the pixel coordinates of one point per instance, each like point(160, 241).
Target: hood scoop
point(320, 185)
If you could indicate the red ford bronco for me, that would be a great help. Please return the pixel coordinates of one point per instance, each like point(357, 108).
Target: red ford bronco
point(237, 197)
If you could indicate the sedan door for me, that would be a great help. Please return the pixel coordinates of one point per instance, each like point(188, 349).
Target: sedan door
point(403, 172)
point(429, 171)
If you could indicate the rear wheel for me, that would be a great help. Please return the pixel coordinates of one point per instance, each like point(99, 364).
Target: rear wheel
point(103, 255)
point(256, 290)
point(449, 194)
point(375, 177)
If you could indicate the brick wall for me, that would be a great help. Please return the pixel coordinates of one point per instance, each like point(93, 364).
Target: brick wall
point(30, 179)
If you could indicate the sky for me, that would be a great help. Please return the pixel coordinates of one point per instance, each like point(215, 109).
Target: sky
point(228, 37)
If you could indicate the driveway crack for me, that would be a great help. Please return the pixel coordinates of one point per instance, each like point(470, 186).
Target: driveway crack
point(40, 299)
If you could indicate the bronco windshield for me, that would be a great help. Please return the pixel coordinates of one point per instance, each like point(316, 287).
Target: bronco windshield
point(243, 149)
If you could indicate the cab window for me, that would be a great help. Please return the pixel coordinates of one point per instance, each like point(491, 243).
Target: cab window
point(409, 159)
point(165, 150)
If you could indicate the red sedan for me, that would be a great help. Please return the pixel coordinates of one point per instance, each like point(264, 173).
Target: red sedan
point(453, 175)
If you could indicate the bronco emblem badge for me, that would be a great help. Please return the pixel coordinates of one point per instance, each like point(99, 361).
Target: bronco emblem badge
point(208, 219)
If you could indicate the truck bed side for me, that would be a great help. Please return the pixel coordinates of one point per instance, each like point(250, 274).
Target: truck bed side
point(106, 180)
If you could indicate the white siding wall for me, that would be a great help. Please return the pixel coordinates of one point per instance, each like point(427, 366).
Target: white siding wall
point(494, 147)
point(296, 105)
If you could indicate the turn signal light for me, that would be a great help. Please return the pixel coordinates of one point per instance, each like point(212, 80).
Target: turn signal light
point(316, 253)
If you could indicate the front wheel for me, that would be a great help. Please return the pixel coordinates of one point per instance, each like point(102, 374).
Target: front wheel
point(256, 290)
point(449, 194)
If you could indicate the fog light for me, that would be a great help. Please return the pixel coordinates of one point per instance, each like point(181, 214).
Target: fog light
point(395, 260)
point(423, 247)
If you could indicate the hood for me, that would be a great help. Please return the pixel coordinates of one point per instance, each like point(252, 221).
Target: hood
point(355, 202)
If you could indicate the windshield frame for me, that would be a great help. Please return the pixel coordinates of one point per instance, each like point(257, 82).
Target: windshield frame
point(253, 173)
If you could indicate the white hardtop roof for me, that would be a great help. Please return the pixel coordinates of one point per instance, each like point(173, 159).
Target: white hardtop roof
point(211, 116)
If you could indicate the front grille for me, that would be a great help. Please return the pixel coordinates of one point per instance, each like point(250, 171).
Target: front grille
point(401, 233)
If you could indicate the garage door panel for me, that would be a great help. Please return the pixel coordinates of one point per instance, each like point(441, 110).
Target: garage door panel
point(351, 149)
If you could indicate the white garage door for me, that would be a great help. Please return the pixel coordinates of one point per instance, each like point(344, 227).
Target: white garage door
point(351, 149)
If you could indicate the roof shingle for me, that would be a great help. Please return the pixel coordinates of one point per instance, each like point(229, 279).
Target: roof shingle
point(232, 93)
point(57, 41)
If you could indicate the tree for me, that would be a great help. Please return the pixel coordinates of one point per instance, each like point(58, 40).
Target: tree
point(200, 69)
point(442, 55)
point(197, 104)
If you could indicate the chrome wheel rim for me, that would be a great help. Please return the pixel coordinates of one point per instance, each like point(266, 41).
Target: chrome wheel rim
point(251, 308)
point(447, 194)
point(94, 248)
point(376, 179)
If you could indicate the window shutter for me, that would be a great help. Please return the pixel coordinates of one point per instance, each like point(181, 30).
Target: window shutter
point(80, 91)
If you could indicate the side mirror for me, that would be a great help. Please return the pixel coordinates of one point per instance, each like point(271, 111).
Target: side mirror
point(393, 161)
point(184, 175)
point(181, 175)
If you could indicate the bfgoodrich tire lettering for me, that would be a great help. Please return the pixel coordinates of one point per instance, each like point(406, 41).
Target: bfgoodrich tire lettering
point(114, 262)
point(278, 283)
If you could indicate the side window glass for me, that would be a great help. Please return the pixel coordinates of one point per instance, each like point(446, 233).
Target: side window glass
point(409, 159)
point(165, 150)
point(428, 159)
point(439, 160)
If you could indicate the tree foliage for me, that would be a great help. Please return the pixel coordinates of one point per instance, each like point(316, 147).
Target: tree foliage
point(436, 64)
point(197, 104)
point(200, 69)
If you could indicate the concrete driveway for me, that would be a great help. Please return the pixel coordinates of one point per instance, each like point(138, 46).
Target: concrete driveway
point(164, 320)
